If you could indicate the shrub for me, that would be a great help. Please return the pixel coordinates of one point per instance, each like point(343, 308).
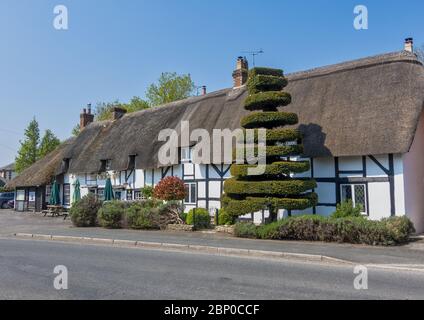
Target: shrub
point(224, 218)
point(172, 212)
point(357, 230)
point(84, 212)
point(111, 214)
point(268, 100)
point(346, 209)
point(170, 188)
point(200, 219)
point(147, 192)
point(269, 120)
point(245, 230)
point(140, 217)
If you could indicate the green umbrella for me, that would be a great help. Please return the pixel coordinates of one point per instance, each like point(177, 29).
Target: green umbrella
point(77, 192)
point(108, 190)
point(55, 195)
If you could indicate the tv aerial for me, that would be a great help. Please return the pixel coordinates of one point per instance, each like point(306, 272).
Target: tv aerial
point(254, 54)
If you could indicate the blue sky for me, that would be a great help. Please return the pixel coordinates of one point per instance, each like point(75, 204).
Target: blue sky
point(114, 49)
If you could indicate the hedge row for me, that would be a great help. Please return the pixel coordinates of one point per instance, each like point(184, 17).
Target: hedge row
point(269, 120)
point(266, 72)
point(357, 230)
point(260, 83)
point(251, 204)
point(270, 187)
point(269, 100)
point(276, 168)
point(273, 135)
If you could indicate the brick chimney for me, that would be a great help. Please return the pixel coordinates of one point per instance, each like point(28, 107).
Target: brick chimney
point(118, 113)
point(86, 117)
point(204, 90)
point(409, 44)
point(241, 73)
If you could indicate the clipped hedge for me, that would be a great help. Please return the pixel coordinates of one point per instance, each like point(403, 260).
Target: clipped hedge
point(252, 204)
point(269, 120)
point(266, 72)
point(224, 218)
point(142, 218)
point(199, 218)
point(111, 214)
point(269, 100)
point(261, 82)
point(270, 151)
point(274, 135)
point(356, 230)
point(276, 168)
point(271, 187)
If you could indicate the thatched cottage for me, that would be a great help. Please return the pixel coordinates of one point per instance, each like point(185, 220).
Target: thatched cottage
point(362, 121)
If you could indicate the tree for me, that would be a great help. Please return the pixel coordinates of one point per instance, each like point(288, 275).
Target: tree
point(28, 152)
point(169, 189)
point(275, 189)
point(76, 130)
point(49, 142)
point(170, 87)
point(104, 109)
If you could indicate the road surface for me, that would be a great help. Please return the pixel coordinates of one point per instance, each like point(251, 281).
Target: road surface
point(101, 272)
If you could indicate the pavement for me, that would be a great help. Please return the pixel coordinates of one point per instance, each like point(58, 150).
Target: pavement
point(410, 256)
point(105, 272)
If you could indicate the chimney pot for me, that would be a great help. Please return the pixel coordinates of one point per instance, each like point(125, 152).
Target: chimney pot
point(204, 90)
point(241, 73)
point(85, 119)
point(409, 44)
point(89, 108)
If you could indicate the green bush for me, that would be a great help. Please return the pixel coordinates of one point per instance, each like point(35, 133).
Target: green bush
point(262, 82)
point(224, 218)
point(346, 209)
point(356, 230)
point(266, 72)
point(147, 192)
point(268, 100)
point(282, 167)
point(84, 212)
point(141, 217)
point(200, 220)
point(245, 230)
point(111, 214)
point(269, 120)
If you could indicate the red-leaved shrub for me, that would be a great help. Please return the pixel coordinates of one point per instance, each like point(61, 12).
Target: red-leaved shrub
point(170, 188)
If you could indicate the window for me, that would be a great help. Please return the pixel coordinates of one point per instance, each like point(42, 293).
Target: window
point(101, 194)
point(355, 192)
point(118, 195)
point(129, 195)
point(106, 165)
point(10, 175)
point(48, 193)
point(191, 193)
point(91, 180)
point(66, 194)
point(186, 154)
point(138, 195)
point(20, 195)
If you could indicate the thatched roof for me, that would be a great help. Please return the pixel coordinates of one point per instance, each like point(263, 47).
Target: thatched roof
point(367, 106)
point(9, 167)
point(43, 171)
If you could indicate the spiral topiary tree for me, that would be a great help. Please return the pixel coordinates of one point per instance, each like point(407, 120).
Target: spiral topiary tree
point(276, 188)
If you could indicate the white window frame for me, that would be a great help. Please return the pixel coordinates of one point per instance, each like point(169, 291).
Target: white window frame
point(186, 154)
point(189, 184)
point(352, 188)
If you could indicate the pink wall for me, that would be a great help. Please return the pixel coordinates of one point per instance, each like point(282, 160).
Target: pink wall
point(414, 178)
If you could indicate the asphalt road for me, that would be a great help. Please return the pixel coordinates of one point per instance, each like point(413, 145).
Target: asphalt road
point(97, 272)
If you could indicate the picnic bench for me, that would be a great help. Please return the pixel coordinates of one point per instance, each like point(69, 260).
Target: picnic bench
point(55, 211)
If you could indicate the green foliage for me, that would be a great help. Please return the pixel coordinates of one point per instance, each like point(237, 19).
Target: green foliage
point(260, 83)
point(272, 151)
point(276, 168)
point(142, 217)
point(28, 152)
point(111, 214)
point(84, 212)
point(49, 142)
point(170, 87)
point(104, 109)
point(269, 100)
point(269, 187)
point(224, 218)
point(273, 135)
point(76, 130)
point(200, 219)
point(269, 120)
point(147, 192)
point(346, 209)
point(266, 72)
point(356, 230)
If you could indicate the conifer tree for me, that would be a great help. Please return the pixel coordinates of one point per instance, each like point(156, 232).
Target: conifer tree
point(276, 188)
point(28, 152)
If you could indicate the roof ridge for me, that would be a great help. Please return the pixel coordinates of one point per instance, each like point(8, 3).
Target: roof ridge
point(352, 64)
